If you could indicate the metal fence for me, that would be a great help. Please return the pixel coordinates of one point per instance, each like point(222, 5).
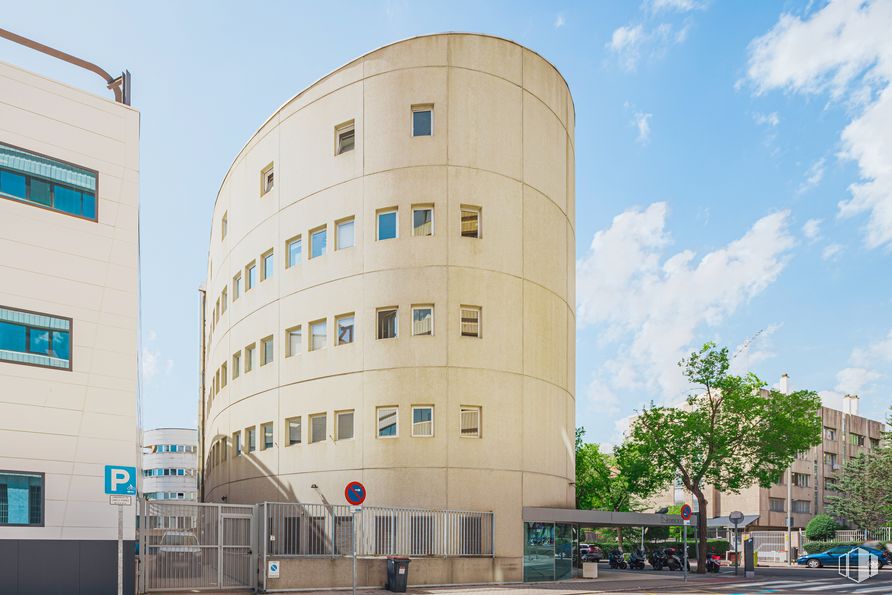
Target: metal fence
point(770, 545)
point(881, 534)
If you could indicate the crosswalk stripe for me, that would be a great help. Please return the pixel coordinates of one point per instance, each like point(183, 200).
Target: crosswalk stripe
point(885, 588)
point(833, 585)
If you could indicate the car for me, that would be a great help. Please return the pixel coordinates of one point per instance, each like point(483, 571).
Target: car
point(831, 556)
point(180, 552)
point(594, 554)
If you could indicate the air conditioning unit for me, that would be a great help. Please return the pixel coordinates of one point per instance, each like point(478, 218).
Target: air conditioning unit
point(836, 466)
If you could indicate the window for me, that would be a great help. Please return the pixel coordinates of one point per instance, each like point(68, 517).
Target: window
point(317, 242)
point(317, 428)
point(268, 264)
point(251, 438)
point(266, 350)
point(830, 458)
point(250, 357)
point(21, 495)
point(343, 425)
point(292, 429)
point(224, 225)
point(470, 222)
point(345, 137)
point(422, 420)
point(294, 339)
point(236, 364)
point(830, 484)
point(344, 237)
point(422, 120)
point(250, 275)
point(386, 224)
point(236, 286)
point(267, 179)
point(387, 422)
point(829, 433)
point(387, 323)
point(470, 321)
point(470, 422)
point(800, 480)
point(293, 248)
point(345, 329)
point(34, 339)
point(422, 320)
point(318, 334)
point(266, 431)
point(803, 506)
point(236, 444)
point(48, 183)
point(856, 439)
point(224, 297)
point(423, 221)
point(224, 375)
point(776, 505)
point(874, 442)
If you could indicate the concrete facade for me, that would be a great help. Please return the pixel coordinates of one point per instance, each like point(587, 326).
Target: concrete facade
point(502, 145)
point(173, 452)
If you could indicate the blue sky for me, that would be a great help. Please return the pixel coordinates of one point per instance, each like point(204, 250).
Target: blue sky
point(734, 170)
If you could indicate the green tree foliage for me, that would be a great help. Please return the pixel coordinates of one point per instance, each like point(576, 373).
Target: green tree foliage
point(821, 528)
point(731, 433)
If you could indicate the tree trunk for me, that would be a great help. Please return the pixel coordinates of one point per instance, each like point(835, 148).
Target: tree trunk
point(701, 530)
point(619, 537)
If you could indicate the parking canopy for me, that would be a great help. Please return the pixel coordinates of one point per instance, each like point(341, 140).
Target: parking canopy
point(602, 518)
point(725, 522)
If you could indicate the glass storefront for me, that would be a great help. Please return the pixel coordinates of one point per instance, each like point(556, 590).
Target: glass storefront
point(548, 551)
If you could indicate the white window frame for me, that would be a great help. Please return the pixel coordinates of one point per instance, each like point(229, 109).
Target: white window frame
point(433, 319)
point(267, 178)
point(263, 343)
point(337, 420)
point(249, 357)
point(310, 419)
point(325, 341)
point(248, 267)
point(236, 364)
point(288, 243)
point(421, 107)
point(271, 254)
point(479, 212)
point(340, 129)
point(467, 408)
point(433, 418)
point(300, 430)
point(338, 224)
point(263, 428)
point(396, 325)
point(461, 317)
point(312, 234)
point(378, 411)
point(424, 207)
point(289, 350)
point(338, 320)
point(396, 223)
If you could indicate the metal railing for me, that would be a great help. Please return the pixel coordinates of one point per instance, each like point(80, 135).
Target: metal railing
point(881, 534)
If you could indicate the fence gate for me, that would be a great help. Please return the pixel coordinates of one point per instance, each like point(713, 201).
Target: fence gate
point(770, 545)
point(195, 546)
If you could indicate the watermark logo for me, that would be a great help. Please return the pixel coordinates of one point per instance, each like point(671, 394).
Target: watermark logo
point(859, 565)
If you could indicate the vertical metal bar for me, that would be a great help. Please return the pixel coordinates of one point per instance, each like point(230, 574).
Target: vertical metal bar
point(120, 549)
point(266, 542)
point(220, 558)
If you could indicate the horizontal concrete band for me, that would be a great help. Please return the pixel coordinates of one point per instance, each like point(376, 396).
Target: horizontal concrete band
point(602, 518)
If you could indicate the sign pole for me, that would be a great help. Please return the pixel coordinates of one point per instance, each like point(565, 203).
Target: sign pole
point(353, 531)
point(120, 549)
point(684, 555)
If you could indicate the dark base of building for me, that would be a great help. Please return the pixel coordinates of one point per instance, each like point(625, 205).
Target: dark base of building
point(64, 567)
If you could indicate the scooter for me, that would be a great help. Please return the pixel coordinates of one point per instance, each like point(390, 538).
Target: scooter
point(658, 559)
point(636, 560)
point(712, 565)
point(674, 561)
point(617, 560)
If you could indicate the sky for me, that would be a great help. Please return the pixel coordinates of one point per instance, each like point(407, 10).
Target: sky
point(733, 162)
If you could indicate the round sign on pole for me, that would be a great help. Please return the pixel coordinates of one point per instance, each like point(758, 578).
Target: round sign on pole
point(735, 517)
point(686, 512)
point(355, 493)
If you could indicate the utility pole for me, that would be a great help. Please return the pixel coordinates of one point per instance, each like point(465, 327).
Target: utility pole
point(790, 516)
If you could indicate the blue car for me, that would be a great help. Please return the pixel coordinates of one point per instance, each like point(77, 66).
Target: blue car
point(831, 556)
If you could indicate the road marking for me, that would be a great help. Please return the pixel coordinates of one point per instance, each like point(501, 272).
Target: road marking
point(834, 585)
point(887, 588)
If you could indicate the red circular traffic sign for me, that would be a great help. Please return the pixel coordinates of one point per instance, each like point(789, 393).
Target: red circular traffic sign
point(686, 512)
point(355, 493)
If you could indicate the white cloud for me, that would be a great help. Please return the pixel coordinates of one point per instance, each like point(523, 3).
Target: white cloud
point(844, 49)
point(878, 351)
point(813, 177)
point(152, 364)
point(654, 305)
point(676, 5)
point(852, 381)
point(559, 20)
point(831, 252)
point(862, 373)
point(626, 42)
point(642, 123)
point(771, 119)
point(812, 230)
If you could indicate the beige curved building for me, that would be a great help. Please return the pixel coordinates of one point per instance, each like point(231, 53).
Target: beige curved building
point(390, 292)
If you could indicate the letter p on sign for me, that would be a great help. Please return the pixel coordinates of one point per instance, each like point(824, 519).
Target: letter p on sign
point(120, 480)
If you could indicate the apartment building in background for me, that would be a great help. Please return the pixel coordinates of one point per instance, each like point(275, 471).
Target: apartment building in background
point(69, 173)
point(170, 464)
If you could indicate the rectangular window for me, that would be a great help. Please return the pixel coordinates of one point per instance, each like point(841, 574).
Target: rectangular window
point(267, 179)
point(293, 248)
point(268, 265)
point(343, 425)
point(236, 364)
point(292, 428)
point(236, 444)
point(32, 178)
point(422, 421)
point(294, 340)
point(800, 480)
point(387, 224)
point(266, 431)
point(422, 120)
point(21, 498)
point(423, 221)
point(802, 506)
point(236, 286)
point(345, 137)
point(829, 433)
point(470, 321)
point(874, 442)
point(830, 458)
point(344, 236)
point(317, 242)
point(345, 329)
point(251, 438)
point(224, 375)
point(317, 428)
point(35, 339)
point(470, 422)
point(387, 323)
point(830, 484)
point(224, 225)
point(318, 334)
point(250, 275)
point(387, 422)
point(422, 320)
point(856, 439)
point(224, 297)
point(250, 357)
point(776, 505)
point(470, 222)
point(266, 350)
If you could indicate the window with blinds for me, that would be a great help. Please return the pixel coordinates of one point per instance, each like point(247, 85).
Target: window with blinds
point(317, 428)
point(293, 430)
point(387, 422)
point(267, 433)
point(343, 425)
point(422, 421)
point(470, 321)
point(470, 222)
point(470, 422)
point(267, 179)
point(387, 323)
point(318, 334)
point(21, 499)
point(345, 138)
point(294, 339)
point(423, 320)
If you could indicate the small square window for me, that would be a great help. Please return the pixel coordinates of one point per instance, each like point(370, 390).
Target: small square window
point(422, 120)
point(470, 321)
point(224, 226)
point(423, 421)
point(236, 364)
point(387, 224)
point(317, 428)
point(345, 329)
point(236, 286)
point(293, 249)
point(343, 425)
point(423, 320)
point(344, 236)
point(423, 221)
point(236, 444)
point(345, 138)
point(318, 334)
point(267, 179)
point(22, 496)
point(387, 323)
point(318, 240)
point(266, 350)
point(294, 341)
point(250, 357)
point(268, 265)
point(388, 426)
point(250, 275)
point(293, 430)
point(266, 431)
point(470, 422)
point(470, 222)
point(251, 438)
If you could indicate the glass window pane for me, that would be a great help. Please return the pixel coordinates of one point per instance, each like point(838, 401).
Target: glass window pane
point(252, 276)
point(295, 338)
point(470, 223)
point(387, 225)
point(345, 425)
point(12, 184)
point(294, 252)
point(422, 321)
point(346, 140)
point(294, 431)
point(267, 436)
point(267, 351)
point(421, 122)
point(61, 345)
point(68, 200)
point(317, 243)
point(470, 322)
point(318, 335)
point(268, 266)
point(40, 341)
point(387, 324)
point(423, 421)
point(21, 499)
point(40, 192)
point(345, 330)
point(387, 421)
point(345, 235)
point(89, 205)
point(12, 337)
point(423, 222)
point(317, 428)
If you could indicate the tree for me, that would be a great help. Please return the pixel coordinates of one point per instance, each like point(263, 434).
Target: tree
point(821, 528)
point(731, 433)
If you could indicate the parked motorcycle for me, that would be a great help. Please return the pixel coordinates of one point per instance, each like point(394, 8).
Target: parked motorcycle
point(617, 560)
point(658, 559)
point(636, 560)
point(674, 560)
point(712, 565)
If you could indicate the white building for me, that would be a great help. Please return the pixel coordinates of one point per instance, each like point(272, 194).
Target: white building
point(170, 464)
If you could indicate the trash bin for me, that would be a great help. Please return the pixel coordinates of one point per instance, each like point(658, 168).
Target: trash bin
point(397, 574)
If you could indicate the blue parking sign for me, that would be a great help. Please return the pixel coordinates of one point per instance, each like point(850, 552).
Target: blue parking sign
point(120, 480)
